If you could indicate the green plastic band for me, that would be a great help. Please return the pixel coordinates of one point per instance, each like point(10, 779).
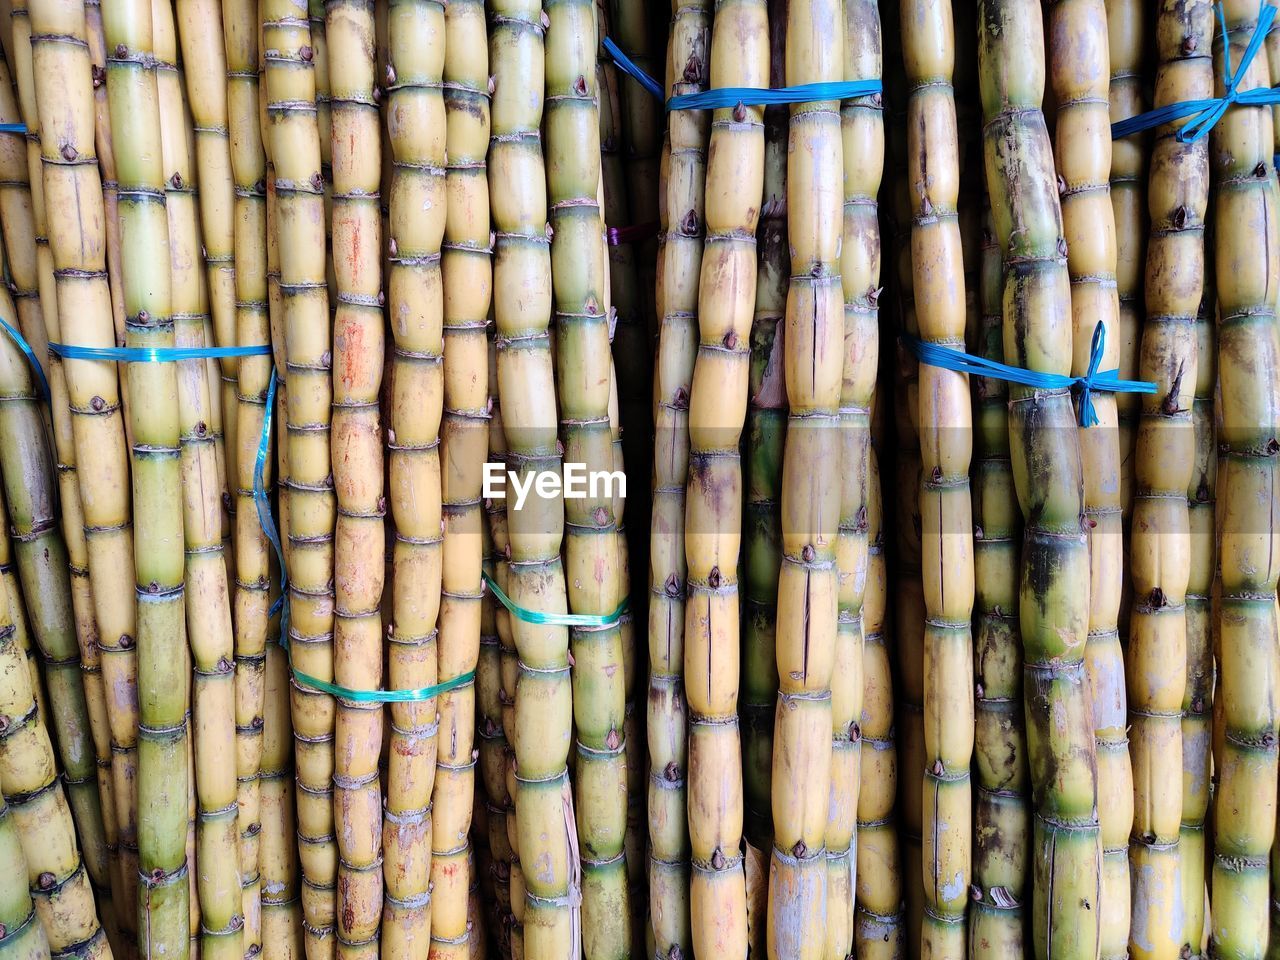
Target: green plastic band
point(376, 696)
point(556, 619)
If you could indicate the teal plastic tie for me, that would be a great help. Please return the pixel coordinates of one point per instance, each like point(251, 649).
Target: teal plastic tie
point(555, 619)
point(32, 359)
point(1107, 381)
point(1206, 112)
point(268, 524)
point(71, 351)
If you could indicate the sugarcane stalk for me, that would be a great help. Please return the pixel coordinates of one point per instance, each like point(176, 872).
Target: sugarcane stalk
point(1160, 562)
point(545, 826)
point(157, 482)
point(295, 149)
point(282, 929)
point(680, 248)
point(739, 56)
point(209, 624)
point(21, 935)
point(416, 114)
point(69, 177)
point(1197, 700)
point(808, 585)
point(1045, 456)
point(96, 35)
point(1247, 350)
point(944, 422)
point(1080, 77)
point(862, 150)
point(1128, 40)
point(467, 276)
point(26, 262)
point(22, 636)
point(879, 931)
point(54, 872)
point(593, 569)
point(766, 426)
point(359, 544)
point(1002, 814)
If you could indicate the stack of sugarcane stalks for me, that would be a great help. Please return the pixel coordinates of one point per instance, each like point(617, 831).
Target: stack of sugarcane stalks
point(307, 650)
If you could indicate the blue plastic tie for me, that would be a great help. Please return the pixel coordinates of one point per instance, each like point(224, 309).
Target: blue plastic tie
point(544, 618)
point(720, 97)
point(71, 351)
point(32, 359)
point(1107, 381)
point(628, 66)
point(13, 128)
point(1205, 113)
point(268, 524)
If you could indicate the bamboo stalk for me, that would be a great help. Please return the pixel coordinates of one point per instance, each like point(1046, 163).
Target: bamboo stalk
point(681, 219)
point(1247, 350)
point(1045, 456)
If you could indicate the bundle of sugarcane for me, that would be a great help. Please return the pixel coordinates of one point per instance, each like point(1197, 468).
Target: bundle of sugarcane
point(1045, 455)
point(1246, 268)
point(1082, 140)
point(1160, 555)
point(679, 265)
point(944, 427)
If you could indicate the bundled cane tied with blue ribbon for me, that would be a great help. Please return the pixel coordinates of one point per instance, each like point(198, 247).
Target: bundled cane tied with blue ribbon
point(1107, 381)
point(1205, 113)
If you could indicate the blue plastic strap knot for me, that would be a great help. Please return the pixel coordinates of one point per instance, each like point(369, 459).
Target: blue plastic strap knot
point(1106, 381)
point(1206, 112)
